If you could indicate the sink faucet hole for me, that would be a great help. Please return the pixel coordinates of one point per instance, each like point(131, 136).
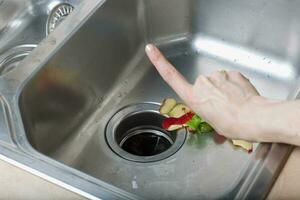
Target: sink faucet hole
point(135, 133)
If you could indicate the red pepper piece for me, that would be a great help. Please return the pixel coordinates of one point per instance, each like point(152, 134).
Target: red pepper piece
point(177, 121)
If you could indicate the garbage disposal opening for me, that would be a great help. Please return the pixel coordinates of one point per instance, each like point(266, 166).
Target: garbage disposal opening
point(135, 133)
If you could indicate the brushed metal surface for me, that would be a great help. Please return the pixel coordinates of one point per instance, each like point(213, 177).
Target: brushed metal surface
point(68, 88)
point(67, 104)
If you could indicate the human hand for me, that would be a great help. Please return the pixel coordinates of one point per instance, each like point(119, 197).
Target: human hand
point(226, 100)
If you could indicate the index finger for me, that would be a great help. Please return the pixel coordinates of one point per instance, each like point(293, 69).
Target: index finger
point(168, 72)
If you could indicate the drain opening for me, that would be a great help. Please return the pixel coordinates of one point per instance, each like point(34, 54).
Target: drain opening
point(135, 133)
point(58, 14)
point(140, 133)
point(11, 58)
point(146, 142)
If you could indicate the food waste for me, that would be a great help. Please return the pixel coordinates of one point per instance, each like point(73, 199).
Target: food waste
point(179, 116)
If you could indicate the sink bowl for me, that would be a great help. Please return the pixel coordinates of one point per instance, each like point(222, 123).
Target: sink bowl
point(84, 107)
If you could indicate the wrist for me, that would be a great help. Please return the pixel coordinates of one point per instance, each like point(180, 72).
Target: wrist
point(255, 120)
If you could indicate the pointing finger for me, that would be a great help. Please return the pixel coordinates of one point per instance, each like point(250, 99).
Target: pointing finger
point(168, 72)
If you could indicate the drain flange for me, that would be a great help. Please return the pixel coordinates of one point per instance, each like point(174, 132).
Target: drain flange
point(135, 134)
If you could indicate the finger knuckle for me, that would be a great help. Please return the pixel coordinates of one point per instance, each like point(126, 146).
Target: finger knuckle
point(236, 73)
point(201, 79)
point(239, 76)
point(215, 76)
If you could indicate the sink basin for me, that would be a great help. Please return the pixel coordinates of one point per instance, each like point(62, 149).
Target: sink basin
point(82, 110)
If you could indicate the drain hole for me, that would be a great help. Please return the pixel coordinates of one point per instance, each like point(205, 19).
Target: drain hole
point(141, 134)
point(146, 142)
point(136, 134)
point(58, 14)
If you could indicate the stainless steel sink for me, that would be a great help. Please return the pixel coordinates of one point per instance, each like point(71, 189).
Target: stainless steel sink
point(71, 108)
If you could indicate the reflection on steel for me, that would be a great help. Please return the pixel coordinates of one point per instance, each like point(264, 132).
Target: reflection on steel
point(56, 104)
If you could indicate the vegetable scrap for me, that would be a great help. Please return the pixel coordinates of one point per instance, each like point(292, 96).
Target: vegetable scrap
point(181, 116)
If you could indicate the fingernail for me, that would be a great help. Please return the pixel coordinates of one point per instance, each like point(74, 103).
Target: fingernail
point(150, 47)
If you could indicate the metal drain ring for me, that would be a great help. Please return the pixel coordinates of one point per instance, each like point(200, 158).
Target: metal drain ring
point(116, 141)
point(11, 58)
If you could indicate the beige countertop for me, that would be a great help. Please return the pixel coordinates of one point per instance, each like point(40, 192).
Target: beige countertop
point(16, 183)
point(287, 185)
